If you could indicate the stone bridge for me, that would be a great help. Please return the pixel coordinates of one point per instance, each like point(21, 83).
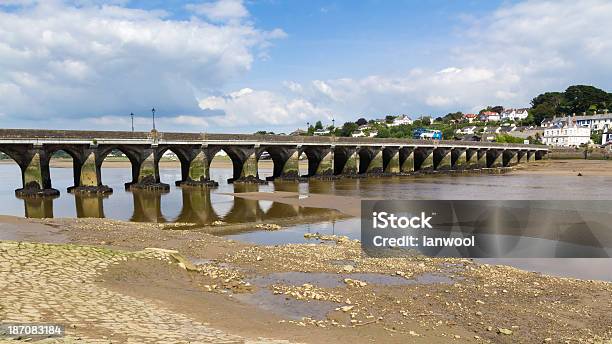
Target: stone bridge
point(328, 157)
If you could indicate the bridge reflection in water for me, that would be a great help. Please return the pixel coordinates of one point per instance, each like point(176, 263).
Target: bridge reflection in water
point(196, 207)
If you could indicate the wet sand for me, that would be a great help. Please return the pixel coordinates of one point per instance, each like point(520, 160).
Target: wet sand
point(570, 167)
point(350, 206)
point(440, 300)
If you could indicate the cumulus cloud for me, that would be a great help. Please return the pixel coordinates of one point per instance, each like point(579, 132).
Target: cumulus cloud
point(248, 107)
point(507, 58)
point(81, 58)
point(62, 59)
point(220, 10)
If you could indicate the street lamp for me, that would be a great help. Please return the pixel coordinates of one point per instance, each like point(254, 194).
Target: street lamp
point(132, 115)
point(333, 127)
point(153, 111)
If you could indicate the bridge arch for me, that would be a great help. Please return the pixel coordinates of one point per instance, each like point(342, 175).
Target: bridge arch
point(184, 156)
point(75, 152)
point(12, 169)
point(132, 153)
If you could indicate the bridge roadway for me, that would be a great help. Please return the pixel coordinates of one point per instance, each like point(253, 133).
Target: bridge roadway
point(328, 157)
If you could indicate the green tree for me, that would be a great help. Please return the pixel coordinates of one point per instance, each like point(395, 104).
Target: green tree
point(318, 125)
point(505, 138)
point(581, 97)
point(596, 136)
point(389, 118)
point(498, 109)
point(383, 132)
point(347, 129)
point(361, 121)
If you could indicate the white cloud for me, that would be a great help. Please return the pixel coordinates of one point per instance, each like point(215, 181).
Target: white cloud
point(248, 107)
point(79, 60)
point(520, 51)
point(194, 121)
point(220, 10)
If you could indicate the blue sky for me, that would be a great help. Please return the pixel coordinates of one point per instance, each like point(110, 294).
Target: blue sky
point(241, 66)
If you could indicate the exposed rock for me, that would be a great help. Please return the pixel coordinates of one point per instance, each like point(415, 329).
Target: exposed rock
point(504, 331)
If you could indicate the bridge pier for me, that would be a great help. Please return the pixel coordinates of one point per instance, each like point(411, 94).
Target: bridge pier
point(346, 161)
point(442, 159)
point(320, 161)
point(35, 174)
point(471, 158)
point(522, 156)
point(196, 170)
point(371, 160)
point(424, 159)
point(245, 163)
point(482, 157)
point(510, 157)
point(391, 160)
point(89, 177)
point(531, 156)
point(495, 158)
point(459, 159)
point(286, 162)
point(406, 157)
point(146, 169)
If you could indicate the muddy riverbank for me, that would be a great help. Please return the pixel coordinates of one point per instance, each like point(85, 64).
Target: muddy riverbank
point(323, 291)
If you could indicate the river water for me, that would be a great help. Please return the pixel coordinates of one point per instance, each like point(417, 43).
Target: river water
point(206, 206)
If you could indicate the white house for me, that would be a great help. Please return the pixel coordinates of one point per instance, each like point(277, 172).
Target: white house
point(364, 131)
point(321, 132)
point(490, 116)
point(467, 130)
point(515, 114)
point(566, 135)
point(400, 120)
point(551, 122)
point(595, 122)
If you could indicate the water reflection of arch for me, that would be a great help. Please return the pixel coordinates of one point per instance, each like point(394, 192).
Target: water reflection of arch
point(286, 186)
point(321, 186)
point(147, 206)
point(39, 207)
point(244, 210)
point(197, 207)
point(281, 211)
point(89, 205)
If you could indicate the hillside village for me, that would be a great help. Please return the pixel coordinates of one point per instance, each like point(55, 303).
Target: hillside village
point(548, 121)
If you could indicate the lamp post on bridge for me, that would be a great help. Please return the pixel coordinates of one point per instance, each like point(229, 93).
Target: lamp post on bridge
point(333, 127)
point(153, 111)
point(132, 116)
